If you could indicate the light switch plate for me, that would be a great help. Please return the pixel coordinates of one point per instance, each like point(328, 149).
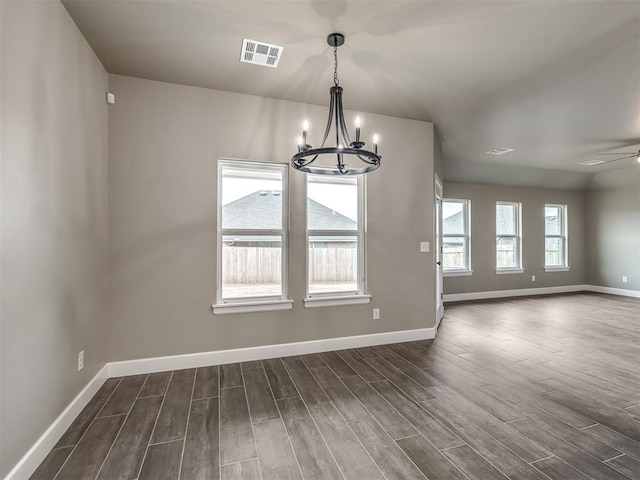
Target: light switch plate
point(424, 247)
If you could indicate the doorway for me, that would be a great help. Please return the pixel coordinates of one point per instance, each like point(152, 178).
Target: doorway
point(438, 251)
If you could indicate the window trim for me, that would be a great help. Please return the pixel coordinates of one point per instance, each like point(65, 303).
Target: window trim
point(265, 302)
point(466, 211)
point(564, 236)
point(361, 295)
point(518, 268)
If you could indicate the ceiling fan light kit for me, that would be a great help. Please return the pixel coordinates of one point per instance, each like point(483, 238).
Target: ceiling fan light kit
point(344, 149)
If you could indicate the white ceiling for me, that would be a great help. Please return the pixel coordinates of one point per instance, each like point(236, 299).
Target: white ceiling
point(558, 81)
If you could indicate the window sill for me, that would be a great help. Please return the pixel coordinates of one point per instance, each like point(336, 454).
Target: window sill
point(316, 302)
point(556, 269)
point(250, 307)
point(458, 273)
point(509, 271)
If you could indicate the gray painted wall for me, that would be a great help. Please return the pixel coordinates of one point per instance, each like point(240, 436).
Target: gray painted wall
point(164, 141)
point(483, 200)
point(613, 229)
point(54, 219)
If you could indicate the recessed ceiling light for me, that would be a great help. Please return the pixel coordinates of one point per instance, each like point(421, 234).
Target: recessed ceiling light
point(590, 163)
point(500, 151)
point(260, 53)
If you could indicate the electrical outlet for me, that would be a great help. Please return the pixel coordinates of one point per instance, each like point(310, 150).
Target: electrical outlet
point(533, 278)
point(424, 247)
point(625, 279)
point(376, 314)
point(81, 360)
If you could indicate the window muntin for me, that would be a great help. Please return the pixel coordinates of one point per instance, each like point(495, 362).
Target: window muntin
point(508, 236)
point(335, 235)
point(455, 235)
point(555, 235)
point(252, 231)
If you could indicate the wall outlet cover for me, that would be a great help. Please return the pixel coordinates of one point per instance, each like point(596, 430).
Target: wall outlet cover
point(424, 247)
point(376, 314)
point(625, 279)
point(81, 360)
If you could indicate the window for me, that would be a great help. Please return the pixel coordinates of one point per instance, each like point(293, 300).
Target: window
point(508, 237)
point(335, 239)
point(455, 236)
point(555, 237)
point(252, 233)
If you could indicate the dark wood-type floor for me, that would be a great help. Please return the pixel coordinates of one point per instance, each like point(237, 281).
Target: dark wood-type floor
point(530, 388)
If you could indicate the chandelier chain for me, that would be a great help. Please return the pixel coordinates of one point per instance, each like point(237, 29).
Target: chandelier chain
point(335, 66)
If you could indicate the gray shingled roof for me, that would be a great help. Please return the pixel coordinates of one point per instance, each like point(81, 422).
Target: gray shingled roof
point(263, 210)
point(452, 224)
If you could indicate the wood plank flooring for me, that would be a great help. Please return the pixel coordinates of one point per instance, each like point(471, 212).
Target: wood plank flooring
point(531, 388)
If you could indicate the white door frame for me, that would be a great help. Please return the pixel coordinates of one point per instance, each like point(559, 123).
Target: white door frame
point(438, 194)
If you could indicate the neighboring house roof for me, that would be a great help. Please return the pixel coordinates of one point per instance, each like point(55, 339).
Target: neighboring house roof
point(551, 225)
point(262, 209)
point(323, 218)
point(453, 224)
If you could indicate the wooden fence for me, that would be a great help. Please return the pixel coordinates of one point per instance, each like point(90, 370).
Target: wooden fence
point(262, 265)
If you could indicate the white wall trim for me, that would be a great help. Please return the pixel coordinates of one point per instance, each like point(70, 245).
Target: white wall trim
point(220, 357)
point(252, 307)
point(37, 453)
point(329, 301)
point(613, 291)
point(461, 297)
point(509, 271)
point(439, 316)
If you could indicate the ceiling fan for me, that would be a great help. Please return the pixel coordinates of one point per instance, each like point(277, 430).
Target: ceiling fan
point(621, 155)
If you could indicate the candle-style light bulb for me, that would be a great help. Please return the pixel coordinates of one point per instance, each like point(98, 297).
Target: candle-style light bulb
point(375, 144)
point(305, 128)
point(358, 128)
point(299, 143)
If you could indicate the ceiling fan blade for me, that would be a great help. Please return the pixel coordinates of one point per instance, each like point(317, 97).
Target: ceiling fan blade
point(619, 153)
point(633, 155)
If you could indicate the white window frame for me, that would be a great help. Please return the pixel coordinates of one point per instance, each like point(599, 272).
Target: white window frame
point(518, 237)
point(466, 213)
point(564, 236)
point(258, 303)
point(359, 296)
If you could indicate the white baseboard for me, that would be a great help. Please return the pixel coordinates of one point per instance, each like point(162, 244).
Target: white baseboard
point(32, 459)
point(220, 357)
point(521, 292)
point(614, 291)
point(37, 453)
point(439, 316)
point(460, 297)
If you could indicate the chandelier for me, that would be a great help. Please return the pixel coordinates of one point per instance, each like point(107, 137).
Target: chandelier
point(346, 152)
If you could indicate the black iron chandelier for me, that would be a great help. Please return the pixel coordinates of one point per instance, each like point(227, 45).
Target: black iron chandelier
point(344, 150)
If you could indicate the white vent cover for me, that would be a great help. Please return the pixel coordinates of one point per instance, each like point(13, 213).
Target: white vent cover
point(260, 53)
point(500, 151)
point(590, 163)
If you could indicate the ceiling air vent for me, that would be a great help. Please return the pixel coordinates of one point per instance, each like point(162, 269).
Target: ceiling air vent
point(260, 53)
point(590, 163)
point(500, 151)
